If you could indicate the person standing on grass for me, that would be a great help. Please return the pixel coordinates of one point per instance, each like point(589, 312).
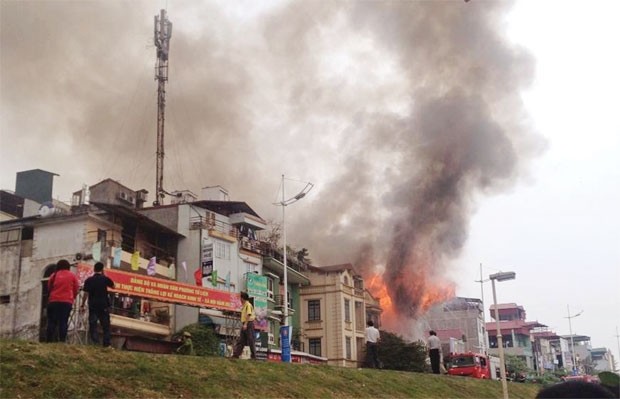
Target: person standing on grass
point(434, 347)
point(372, 340)
point(63, 287)
point(96, 292)
point(246, 337)
point(187, 347)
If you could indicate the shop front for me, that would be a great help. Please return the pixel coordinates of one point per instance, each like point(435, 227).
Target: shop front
point(142, 307)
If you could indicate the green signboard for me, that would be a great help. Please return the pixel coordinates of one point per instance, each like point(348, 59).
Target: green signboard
point(256, 285)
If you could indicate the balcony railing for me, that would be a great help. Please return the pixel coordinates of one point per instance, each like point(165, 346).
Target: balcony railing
point(268, 249)
point(279, 302)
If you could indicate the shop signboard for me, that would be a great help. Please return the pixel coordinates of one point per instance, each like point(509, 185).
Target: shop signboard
point(206, 257)
point(285, 343)
point(256, 285)
point(275, 356)
point(261, 310)
point(167, 290)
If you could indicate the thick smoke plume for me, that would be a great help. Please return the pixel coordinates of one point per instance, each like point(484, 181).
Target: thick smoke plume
point(401, 113)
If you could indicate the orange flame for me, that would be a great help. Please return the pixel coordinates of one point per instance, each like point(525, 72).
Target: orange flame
point(426, 294)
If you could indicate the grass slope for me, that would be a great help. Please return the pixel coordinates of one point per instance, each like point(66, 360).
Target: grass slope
point(36, 370)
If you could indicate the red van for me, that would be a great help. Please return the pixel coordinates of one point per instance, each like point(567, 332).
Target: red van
point(469, 364)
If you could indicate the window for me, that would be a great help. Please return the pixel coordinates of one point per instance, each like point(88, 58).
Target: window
point(269, 288)
point(5, 299)
point(222, 250)
point(463, 361)
point(348, 341)
point(314, 346)
point(250, 267)
point(9, 236)
point(346, 280)
point(314, 310)
point(27, 233)
point(359, 315)
point(101, 236)
point(347, 310)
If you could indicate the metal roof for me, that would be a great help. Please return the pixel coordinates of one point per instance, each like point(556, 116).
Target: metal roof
point(226, 208)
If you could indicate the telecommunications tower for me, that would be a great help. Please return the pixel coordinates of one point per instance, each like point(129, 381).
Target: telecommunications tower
point(163, 31)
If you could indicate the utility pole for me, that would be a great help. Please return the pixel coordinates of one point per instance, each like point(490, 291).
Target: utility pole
point(162, 33)
point(572, 341)
point(485, 336)
point(618, 341)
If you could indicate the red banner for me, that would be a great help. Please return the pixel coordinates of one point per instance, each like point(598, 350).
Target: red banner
point(169, 291)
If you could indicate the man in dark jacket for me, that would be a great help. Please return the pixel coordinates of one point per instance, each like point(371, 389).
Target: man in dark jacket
point(96, 292)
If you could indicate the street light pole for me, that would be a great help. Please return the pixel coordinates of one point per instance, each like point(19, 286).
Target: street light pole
point(284, 203)
point(284, 253)
point(502, 276)
point(572, 341)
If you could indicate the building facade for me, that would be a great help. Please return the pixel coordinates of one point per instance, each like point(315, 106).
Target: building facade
point(31, 247)
point(169, 261)
point(516, 332)
point(334, 313)
point(459, 324)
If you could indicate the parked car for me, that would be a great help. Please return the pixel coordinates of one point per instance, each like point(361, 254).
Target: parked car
point(583, 377)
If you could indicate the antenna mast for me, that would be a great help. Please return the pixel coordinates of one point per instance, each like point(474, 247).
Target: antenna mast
point(162, 33)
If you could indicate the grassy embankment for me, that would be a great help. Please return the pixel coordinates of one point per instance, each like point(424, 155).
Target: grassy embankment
point(35, 370)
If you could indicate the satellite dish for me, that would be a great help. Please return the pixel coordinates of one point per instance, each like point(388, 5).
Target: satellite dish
point(46, 210)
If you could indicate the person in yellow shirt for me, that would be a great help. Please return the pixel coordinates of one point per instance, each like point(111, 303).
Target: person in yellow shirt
point(246, 336)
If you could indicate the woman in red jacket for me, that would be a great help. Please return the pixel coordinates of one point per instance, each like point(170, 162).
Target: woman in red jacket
point(63, 287)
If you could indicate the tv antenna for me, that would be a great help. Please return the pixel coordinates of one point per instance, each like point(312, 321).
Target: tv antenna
point(162, 33)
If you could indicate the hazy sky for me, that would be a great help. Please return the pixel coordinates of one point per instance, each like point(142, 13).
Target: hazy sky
point(439, 135)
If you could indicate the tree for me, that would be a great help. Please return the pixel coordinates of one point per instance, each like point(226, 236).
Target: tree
point(205, 342)
point(274, 234)
point(303, 256)
point(396, 354)
point(516, 366)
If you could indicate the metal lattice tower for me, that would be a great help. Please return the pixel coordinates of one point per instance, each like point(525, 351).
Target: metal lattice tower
point(162, 33)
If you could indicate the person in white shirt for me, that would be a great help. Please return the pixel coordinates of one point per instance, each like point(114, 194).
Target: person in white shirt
point(434, 348)
point(372, 339)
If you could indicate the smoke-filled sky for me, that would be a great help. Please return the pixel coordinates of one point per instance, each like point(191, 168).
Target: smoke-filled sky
point(439, 135)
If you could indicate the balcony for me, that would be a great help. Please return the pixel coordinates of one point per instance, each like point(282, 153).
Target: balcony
point(275, 266)
point(250, 245)
point(279, 303)
point(248, 220)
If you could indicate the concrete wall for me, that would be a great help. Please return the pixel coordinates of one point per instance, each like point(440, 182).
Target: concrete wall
point(188, 251)
point(469, 320)
point(24, 264)
point(21, 279)
point(168, 216)
point(21, 276)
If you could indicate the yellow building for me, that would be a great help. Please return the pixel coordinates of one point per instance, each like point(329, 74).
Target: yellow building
point(333, 313)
